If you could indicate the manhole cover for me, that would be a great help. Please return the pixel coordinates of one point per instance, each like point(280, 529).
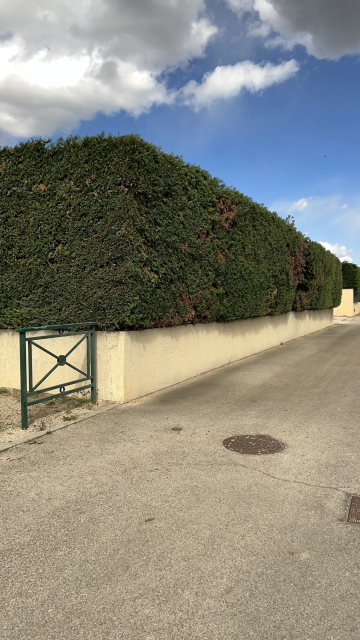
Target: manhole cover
point(254, 445)
point(354, 511)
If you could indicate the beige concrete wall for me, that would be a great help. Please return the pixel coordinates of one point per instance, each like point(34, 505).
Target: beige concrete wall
point(158, 358)
point(134, 363)
point(356, 308)
point(346, 307)
point(9, 359)
point(42, 362)
point(109, 353)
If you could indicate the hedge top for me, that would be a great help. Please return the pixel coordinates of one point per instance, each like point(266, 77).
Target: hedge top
point(113, 230)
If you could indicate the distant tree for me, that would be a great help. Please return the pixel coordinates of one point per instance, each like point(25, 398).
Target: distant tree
point(351, 276)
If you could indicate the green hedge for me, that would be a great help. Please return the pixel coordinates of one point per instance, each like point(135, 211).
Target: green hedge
point(351, 276)
point(113, 230)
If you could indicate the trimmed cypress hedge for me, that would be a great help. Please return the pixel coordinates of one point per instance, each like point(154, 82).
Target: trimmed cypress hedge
point(351, 276)
point(113, 230)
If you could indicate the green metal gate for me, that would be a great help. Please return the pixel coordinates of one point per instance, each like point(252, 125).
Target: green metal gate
point(30, 390)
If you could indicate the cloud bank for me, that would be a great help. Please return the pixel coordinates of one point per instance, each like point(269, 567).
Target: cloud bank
point(327, 28)
point(63, 61)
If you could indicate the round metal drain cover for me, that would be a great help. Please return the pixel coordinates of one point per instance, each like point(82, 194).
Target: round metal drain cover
point(254, 445)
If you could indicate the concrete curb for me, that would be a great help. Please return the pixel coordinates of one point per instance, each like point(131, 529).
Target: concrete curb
point(39, 434)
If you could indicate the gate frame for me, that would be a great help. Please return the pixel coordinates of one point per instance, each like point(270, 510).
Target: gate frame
point(26, 369)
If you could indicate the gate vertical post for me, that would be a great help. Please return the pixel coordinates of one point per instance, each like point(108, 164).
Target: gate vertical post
point(23, 380)
point(92, 366)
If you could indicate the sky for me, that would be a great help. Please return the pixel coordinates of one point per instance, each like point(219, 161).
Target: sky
point(263, 94)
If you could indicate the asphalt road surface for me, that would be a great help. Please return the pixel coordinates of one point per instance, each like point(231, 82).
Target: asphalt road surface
point(120, 527)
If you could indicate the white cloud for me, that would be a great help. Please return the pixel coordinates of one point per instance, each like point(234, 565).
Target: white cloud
point(342, 253)
point(327, 28)
point(25, 110)
point(299, 205)
point(323, 216)
point(64, 61)
point(329, 208)
point(241, 5)
point(345, 206)
point(229, 81)
point(151, 33)
point(59, 73)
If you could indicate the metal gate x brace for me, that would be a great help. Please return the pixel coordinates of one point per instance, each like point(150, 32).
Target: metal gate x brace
point(26, 365)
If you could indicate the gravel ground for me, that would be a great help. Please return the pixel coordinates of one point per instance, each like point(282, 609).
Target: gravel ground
point(40, 416)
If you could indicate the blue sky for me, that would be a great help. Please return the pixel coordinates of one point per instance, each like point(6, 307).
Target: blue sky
point(263, 94)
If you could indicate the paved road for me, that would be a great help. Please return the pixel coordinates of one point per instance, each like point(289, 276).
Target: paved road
point(235, 547)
